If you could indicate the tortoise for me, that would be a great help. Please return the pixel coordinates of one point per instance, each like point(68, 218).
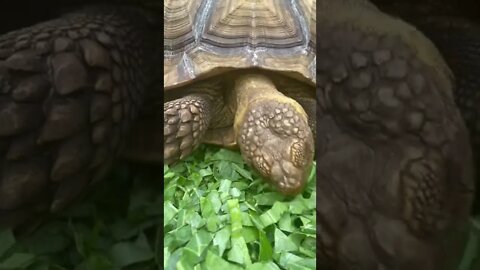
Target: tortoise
point(79, 90)
point(395, 171)
point(242, 73)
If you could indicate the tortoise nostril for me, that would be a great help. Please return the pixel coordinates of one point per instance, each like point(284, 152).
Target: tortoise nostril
point(289, 168)
point(293, 182)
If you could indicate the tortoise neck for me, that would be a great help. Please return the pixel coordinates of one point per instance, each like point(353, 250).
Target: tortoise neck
point(249, 87)
point(253, 89)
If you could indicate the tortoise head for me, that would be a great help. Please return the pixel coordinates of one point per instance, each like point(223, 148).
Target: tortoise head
point(289, 161)
point(273, 134)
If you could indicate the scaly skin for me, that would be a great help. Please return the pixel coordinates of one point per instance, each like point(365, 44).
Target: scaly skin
point(395, 181)
point(69, 89)
point(459, 41)
point(185, 122)
point(301, 94)
point(455, 29)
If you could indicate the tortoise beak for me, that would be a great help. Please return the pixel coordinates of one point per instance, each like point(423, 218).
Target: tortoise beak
point(287, 178)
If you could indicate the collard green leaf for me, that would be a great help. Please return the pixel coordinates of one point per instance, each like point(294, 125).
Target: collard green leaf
point(250, 234)
point(17, 261)
point(239, 252)
point(243, 172)
point(196, 246)
point(214, 199)
point(471, 255)
point(215, 262)
point(235, 217)
point(266, 251)
point(263, 266)
point(169, 211)
point(274, 214)
point(225, 186)
point(127, 253)
point(174, 259)
point(227, 155)
point(221, 239)
point(7, 240)
point(283, 243)
point(294, 262)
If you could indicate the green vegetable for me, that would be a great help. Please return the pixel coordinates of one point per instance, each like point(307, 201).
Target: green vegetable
point(218, 214)
point(215, 213)
point(251, 225)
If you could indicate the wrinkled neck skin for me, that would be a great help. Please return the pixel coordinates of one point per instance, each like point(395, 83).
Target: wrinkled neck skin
point(250, 88)
point(217, 92)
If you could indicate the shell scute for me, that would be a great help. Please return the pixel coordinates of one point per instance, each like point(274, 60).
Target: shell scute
point(206, 37)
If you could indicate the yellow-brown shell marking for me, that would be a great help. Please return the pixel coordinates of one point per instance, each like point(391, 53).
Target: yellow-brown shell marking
point(206, 37)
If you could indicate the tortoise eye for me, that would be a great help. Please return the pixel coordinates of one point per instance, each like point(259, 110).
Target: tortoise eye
point(297, 154)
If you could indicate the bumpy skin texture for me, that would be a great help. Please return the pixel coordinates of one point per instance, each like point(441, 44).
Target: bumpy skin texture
point(458, 39)
point(273, 133)
point(302, 95)
point(185, 122)
point(395, 175)
point(69, 89)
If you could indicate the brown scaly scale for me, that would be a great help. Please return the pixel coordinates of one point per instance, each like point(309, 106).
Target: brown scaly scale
point(395, 176)
point(454, 28)
point(70, 88)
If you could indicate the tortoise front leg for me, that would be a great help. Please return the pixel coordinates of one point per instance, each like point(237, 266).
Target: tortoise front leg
point(70, 88)
point(185, 122)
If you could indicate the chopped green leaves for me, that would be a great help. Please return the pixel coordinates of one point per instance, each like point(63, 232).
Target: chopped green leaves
point(471, 256)
point(7, 240)
point(249, 225)
point(218, 214)
point(17, 261)
point(128, 253)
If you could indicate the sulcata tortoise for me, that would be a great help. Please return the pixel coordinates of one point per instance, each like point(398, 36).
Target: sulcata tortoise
point(242, 73)
point(80, 90)
point(395, 174)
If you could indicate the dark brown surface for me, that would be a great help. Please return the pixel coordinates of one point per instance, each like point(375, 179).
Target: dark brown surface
point(454, 27)
point(69, 89)
point(464, 8)
point(395, 181)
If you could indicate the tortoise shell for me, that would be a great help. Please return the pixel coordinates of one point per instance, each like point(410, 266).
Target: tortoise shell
point(203, 38)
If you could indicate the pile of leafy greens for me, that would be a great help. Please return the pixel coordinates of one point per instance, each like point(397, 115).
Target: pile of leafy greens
point(210, 212)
